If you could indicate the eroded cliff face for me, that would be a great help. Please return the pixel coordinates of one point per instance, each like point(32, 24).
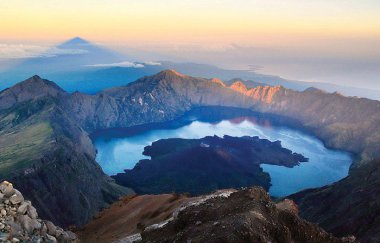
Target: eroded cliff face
point(161, 97)
point(347, 123)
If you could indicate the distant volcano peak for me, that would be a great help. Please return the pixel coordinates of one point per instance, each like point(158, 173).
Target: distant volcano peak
point(75, 42)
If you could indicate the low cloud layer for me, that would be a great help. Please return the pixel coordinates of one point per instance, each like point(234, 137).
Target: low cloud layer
point(16, 51)
point(118, 64)
point(126, 64)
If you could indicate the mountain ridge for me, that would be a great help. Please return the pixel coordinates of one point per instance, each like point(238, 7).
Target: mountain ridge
point(351, 124)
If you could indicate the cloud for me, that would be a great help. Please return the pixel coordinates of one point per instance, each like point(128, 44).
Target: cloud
point(14, 51)
point(151, 63)
point(118, 64)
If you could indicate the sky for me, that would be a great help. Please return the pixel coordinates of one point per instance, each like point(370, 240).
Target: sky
point(314, 40)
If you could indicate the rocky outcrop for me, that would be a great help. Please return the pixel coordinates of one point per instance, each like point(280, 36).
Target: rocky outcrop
point(19, 220)
point(247, 215)
point(239, 86)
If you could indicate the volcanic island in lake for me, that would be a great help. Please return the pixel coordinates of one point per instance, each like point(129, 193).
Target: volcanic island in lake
point(199, 166)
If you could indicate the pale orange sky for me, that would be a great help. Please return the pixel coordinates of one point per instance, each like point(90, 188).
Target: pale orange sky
point(221, 21)
point(281, 36)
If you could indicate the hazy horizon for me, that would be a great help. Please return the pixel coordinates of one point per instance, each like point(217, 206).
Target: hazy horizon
point(316, 41)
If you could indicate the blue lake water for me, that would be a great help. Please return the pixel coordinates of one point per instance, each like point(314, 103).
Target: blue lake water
point(117, 151)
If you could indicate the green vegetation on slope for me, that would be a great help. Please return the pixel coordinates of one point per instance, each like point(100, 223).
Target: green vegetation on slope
point(25, 134)
point(21, 147)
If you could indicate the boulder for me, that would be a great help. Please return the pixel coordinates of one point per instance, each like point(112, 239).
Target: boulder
point(16, 198)
point(29, 224)
point(7, 189)
point(32, 212)
point(23, 207)
point(19, 220)
point(51, 228)
point(51, 239)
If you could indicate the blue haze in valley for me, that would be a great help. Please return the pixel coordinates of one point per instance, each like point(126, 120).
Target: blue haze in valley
point(325, 166)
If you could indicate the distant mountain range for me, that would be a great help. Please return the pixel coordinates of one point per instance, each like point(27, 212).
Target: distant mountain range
point(79, 65)
point(47, 152)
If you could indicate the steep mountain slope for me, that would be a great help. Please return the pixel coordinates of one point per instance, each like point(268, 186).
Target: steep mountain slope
point(130, 215)
point(350, 206)
point(45, 144)
point(48, 157)
point(162, 97)
point(351, 124)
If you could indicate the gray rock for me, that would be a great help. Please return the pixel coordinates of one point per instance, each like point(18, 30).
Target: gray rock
point(43, 231)
point(51, 228)
point(32, 212)
point(16, 229)
point(71, 236)
point(23, 207)
point(15, 240)
point(16, 197)
point(19, 221)
point(7, 189)
point(58, 233)
point(51, 239)
point(29, 224)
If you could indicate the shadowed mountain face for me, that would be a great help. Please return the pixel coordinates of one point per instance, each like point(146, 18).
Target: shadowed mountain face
point(350, 206)
point(199, 166)
point(49, 157)
point(44, 131)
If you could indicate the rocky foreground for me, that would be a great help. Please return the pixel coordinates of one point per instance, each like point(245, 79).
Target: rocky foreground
point(19, 220)
point(246, 215)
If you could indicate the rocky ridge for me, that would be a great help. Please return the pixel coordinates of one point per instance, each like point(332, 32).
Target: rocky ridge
point(246, 215)
point(19, 220)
